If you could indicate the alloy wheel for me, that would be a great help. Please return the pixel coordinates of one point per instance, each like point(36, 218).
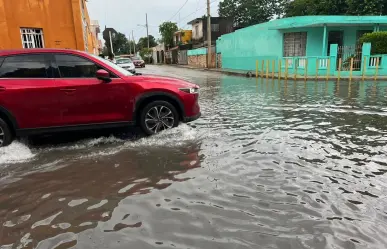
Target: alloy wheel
point(159, 118)
point(1, 136)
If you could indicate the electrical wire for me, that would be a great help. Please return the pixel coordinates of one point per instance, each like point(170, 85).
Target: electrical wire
point(178, 11)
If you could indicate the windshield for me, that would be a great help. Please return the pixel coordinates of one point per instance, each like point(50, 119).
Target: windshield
point(124, 61)
point(136, 58)
point(118, 68)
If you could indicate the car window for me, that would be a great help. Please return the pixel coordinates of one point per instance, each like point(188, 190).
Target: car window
point(24, 66)
point(124, 61)
point(111, 64)
point(71, 66)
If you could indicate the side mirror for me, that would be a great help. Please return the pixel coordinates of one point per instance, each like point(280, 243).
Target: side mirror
point(103, 75)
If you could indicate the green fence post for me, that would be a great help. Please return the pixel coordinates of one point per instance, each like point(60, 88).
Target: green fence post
point(333, 58)
point(366, 53)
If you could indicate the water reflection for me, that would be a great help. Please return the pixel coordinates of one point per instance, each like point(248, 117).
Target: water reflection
point(271, 164)
point(79, 196)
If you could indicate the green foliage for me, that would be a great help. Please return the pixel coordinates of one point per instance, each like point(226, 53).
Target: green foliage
point(143, 42)
point(378, 41)
point(120, 44)
point(146, 54)
point(335, 7)
point(167, 29)
point(249, 12)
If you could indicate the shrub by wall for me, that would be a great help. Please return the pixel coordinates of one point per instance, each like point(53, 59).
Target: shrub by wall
point(378, 41)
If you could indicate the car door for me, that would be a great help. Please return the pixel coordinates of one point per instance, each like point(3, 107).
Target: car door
point(28, 90)
point(84, 98)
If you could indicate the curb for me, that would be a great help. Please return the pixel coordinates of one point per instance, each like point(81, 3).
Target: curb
point(290, 77)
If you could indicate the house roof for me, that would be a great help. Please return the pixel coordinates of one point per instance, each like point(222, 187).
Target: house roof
point(205, 18)
point(316, 21)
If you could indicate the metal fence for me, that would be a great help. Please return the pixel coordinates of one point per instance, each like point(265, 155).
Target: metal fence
point(346, 53)
point(182, 57)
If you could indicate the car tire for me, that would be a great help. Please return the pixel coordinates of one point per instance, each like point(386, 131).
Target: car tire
point(6, 136)
point(158, 116)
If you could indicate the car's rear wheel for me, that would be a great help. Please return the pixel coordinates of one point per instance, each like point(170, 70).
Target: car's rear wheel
point(6, 136)
point(158, 116)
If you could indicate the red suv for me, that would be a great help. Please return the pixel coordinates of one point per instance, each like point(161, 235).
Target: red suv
point(51, 90)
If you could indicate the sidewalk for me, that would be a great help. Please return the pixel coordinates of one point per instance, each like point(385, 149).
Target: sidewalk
point(246, 73)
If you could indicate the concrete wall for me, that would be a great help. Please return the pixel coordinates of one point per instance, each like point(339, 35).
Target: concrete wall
point(60, 20)
point(199, 34)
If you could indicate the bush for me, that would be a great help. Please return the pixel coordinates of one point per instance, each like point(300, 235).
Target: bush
point(378, 41)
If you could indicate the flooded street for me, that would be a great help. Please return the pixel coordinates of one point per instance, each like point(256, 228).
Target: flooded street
point(269, 165)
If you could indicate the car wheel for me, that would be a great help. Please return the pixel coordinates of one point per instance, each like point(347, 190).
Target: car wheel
point(6, 136)
point(158, 116)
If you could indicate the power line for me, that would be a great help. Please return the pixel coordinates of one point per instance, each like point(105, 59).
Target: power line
point(196, 12)
point(178, 10)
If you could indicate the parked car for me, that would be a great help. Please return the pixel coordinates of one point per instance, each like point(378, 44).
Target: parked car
point(126, 64)
point(138, 61)
point(51, 90)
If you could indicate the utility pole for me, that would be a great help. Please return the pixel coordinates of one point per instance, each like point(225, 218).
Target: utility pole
point(111, 43)
point(134, 44)
point(130, 44)
point(208, 34)
point(147, 34)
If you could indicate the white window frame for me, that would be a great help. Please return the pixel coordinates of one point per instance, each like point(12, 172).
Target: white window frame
point(31, 36)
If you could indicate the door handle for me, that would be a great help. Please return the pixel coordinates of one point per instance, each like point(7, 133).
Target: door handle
point(2, 89)
point(68, 90)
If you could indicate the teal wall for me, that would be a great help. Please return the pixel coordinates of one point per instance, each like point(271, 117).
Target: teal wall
point(241, 49)
point(198, 51)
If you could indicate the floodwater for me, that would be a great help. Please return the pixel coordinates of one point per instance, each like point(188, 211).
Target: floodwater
point(269, 165)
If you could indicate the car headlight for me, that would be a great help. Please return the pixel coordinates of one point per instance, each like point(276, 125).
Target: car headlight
point(191, 90)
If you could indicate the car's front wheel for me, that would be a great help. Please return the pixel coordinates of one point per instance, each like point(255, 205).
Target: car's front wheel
point(158, 116)
point(6, 136)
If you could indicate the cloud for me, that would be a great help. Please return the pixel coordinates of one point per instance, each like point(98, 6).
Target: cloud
point(126, 15)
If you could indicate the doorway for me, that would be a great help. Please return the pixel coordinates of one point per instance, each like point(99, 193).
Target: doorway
point(335, 37)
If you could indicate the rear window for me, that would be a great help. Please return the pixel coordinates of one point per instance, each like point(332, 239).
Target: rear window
point(24, 66)
point(124, 61)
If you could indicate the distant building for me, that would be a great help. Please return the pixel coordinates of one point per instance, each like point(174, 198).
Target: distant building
point(219, 27)
point(158, 54)
point(182, 37)
point(45, 24)
point(96, 30)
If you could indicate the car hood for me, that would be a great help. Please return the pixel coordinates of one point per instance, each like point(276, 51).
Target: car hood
point(167, 80)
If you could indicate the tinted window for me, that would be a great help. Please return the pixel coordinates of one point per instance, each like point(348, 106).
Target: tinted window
point(71, 66)
point(124, 61)
point(24, 66)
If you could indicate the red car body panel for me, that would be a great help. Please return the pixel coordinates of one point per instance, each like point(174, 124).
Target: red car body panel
point(61, 102)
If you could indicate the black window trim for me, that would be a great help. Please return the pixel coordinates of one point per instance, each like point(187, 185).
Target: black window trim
point(55, 65)
point(50, 71)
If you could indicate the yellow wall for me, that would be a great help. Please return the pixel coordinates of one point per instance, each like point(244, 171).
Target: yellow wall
point(61, 21)
point(187, 36)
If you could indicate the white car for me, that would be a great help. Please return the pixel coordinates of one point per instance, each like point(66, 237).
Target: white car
point(126, 64)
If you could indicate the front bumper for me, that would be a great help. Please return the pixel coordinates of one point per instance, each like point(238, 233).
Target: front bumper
point(192, 118)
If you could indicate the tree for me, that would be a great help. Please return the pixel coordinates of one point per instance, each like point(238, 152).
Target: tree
point(143, 42)
point(146, 54)
point(335, 7)
point(167, 30)
point(120, 44)
point(378, 41)
point(250, 12)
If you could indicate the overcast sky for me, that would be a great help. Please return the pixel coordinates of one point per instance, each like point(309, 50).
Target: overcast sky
point(126, 15)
